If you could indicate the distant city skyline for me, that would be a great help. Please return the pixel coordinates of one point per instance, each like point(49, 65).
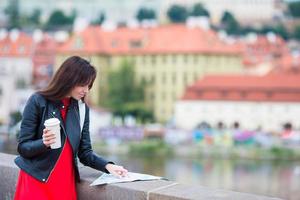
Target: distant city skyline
point(123, 11)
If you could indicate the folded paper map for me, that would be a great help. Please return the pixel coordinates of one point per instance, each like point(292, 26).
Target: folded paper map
point(109, 178)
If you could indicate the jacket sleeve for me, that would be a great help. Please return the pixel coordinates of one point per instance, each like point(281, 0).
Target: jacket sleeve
point(29, 145)
point(85, 152)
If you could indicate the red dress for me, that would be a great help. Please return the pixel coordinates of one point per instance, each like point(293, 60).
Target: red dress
point(61, 183)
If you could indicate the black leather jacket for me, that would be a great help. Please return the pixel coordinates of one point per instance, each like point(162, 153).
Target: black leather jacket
point(37, 159)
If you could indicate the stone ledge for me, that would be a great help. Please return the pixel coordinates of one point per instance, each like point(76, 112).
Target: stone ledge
point(144, 190)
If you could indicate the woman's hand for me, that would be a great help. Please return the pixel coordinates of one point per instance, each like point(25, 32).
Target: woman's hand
point(116, 170)
point(48, 137)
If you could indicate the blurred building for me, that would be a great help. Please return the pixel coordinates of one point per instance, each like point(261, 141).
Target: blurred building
point(25, 62)
point(15, 56)
point(169, 58)
point(15, 70)
point(265, 102)
point(261, 52)
point(288, 63)
point(29, 58)
point(7, 94)
point(263, 48)
point(268, 54)
point(43, 59)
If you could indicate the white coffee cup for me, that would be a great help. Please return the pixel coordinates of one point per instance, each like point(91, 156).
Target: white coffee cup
point(53, 125)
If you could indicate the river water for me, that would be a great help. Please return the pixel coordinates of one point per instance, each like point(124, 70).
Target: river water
point(277, 179)
point(271, 178)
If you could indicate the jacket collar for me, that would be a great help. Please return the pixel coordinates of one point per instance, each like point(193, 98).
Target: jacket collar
point(59, 104)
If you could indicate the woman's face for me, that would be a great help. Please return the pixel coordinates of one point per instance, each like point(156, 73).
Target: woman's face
point(79, 92)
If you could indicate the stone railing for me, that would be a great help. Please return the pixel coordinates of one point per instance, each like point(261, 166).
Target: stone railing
point(148, 190)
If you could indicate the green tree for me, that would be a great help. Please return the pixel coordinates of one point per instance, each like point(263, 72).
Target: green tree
point(145, 13)
point(101, 18)
point(73, 16)
point(58, 19)
point(266, 29)
point(198, 10)
point(230, 24)
point(35, 17)
point(177, 14)
point(15, 117)
point(125, 96)
point(248, 29)
point(13, 13)
point(282, 31)
point(278, 29)
point(294, 8)
point(297, 32)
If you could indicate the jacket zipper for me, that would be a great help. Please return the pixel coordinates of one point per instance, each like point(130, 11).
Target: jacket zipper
point(55, 163)
point(59, 154)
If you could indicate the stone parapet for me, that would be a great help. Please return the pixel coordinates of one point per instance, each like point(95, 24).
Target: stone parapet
point(141, 190)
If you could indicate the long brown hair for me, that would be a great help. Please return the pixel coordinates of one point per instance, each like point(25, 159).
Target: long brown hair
point(75, 71)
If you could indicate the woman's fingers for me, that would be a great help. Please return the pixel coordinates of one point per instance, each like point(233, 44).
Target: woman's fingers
point(116, 170)
point(48, 137)
point(121, 171)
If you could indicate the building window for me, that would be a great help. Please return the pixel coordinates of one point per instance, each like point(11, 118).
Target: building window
point(109, 61)
point(195, 59)
point(143, 60)
point(153, 60)
point(207, 60)
point(152, 97)
point(163, 78)
point(243, 94)
point(174, 78)
point(224, 93)
point(169, 58)
point(21, 49)
point(185, 59)
point(174, 96)
point(163, 96)
point(164, 59)
point(195, 77)
point(133, 61)
point(114, 43)
point(6, 49)
point(199, 93)
point(153, 79)
point(185, 79)
point(174, 58)
point(135, 44)
point(78, 44)
point(269, 94)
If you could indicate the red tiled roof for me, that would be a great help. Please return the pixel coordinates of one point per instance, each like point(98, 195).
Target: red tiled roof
point(21, 47)
point(246, 88)
point(162, 39)
point(287, 63)
point(263, 50)
point(44, 51)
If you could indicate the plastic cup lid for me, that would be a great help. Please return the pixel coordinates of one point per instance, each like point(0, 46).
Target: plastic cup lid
point(51, 122)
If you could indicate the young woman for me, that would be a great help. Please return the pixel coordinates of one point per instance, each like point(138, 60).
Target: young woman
point(50, 174)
